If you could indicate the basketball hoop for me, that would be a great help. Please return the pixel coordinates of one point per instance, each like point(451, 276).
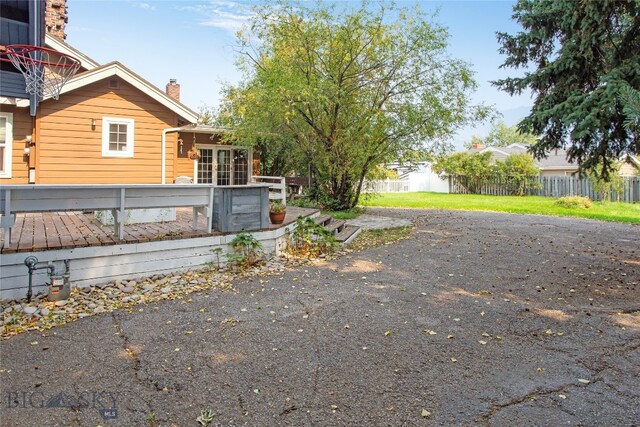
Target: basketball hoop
point(45, 70)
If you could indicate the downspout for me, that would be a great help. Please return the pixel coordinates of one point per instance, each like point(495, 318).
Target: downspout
point(164, 151)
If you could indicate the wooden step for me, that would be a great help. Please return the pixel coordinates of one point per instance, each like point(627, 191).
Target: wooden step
point(322, 219)
point(348, 233)
point(335, 226)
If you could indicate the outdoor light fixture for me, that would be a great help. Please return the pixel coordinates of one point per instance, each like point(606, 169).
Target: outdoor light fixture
point(93, 124)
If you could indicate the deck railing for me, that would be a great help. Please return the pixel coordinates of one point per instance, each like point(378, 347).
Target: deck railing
point(277, 186)
point(227, 208)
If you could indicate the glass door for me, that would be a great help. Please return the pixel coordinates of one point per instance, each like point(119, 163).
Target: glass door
point(224, 167)
point(205, 166)
point(240, 166)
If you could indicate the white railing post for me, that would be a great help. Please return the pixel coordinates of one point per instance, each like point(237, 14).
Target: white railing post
point(283, 189)
point(7, 220)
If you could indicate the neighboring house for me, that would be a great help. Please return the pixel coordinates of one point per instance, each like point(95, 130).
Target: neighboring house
point(555, 164)
point(109, 126)
point(629, 165)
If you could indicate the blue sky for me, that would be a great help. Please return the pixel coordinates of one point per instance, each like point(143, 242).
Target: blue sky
point(193, 42)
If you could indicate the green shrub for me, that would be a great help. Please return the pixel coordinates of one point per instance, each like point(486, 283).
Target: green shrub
point(311, 239)
point(574, 202)
point(247, 250)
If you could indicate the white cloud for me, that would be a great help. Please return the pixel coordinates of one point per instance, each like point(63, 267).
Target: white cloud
point(144, 6)
point(226, 15)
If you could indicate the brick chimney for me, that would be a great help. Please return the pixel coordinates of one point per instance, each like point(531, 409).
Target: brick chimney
point(55, 18)
point(478, 146)
point(173, 90)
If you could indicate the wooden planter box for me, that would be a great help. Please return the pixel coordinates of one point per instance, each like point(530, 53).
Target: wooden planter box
point(239, 208)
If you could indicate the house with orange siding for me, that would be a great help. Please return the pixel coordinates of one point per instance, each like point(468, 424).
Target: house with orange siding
point(111, 126)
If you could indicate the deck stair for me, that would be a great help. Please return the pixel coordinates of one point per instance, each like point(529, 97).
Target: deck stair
point(338, 227)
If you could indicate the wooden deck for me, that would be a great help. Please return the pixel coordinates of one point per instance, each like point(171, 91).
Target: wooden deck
point(67, 230)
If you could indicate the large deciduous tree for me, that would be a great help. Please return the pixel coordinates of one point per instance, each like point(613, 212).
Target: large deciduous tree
point(578, 56)
point(351, 87)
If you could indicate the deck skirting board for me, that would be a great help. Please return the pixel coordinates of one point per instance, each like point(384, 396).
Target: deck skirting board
point(104, 264)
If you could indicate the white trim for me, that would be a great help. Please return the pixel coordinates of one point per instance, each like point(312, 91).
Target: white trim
point(517, 145)
point(119, 70)
point(106, 121)
point(18, 102)
point(57, 44)
point(8, 146)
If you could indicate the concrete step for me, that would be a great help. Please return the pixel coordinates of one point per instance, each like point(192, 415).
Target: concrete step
point(322, 219)
point(335, 225)
point(348, 233)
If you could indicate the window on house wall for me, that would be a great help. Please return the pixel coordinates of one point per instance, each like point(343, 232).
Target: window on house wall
point(117, 137)
point(6, 140)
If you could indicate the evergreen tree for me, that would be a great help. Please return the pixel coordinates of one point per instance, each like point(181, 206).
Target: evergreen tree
point(579, 56)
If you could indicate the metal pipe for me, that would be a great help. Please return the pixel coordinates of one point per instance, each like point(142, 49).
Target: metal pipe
point(163, 161)
point(31, 263)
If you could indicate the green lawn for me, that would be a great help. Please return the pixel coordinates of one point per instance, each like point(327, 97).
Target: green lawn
point(612, 211)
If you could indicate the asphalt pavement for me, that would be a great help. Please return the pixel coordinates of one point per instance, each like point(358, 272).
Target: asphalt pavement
point(476, 319)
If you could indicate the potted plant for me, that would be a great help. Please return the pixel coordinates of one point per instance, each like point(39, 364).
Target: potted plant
point(277, 211)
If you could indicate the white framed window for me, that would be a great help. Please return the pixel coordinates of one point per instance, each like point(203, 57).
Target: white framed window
point(6, 144)
point(117, 137)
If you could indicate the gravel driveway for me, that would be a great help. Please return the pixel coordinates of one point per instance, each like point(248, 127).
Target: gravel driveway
point(476, 319)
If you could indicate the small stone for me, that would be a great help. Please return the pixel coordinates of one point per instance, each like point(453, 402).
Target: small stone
point(98, 309)
point(118, 282)
point(166, 289)
point(92, 305)
point(29, 310)
point(8, 310)
point(61, 303)
point(149, 287)
point(132, 283)
point(126, 299)
point(127, 289)
point(82, 315)
point(45, 311)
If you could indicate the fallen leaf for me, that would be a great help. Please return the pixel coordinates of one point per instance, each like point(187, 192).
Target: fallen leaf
point(482, 342)
point(484, 334)
point(450, 336)
point(583, 381)
point(548, 332)
point(425, 413)
point(386, 334)
point(454, 360)
point(482, 313)
point(562, 396)
point(188, 332)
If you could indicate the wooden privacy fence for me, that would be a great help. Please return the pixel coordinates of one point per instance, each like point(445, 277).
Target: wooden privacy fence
point(546, 186)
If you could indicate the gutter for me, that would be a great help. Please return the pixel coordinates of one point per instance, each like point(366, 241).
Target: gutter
point(164, 152)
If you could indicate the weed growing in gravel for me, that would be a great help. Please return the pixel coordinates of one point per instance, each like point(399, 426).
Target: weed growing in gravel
point(248, 251)
point(311, 239)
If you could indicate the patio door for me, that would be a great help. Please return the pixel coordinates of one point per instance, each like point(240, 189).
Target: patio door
point(223, 166)
point(205, 166)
